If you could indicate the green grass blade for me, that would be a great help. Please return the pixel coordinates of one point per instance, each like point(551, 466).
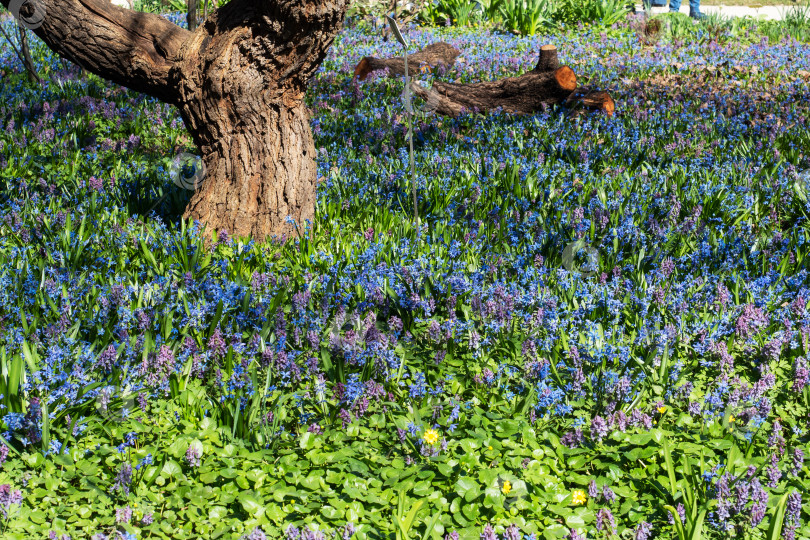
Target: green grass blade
point(777, 517)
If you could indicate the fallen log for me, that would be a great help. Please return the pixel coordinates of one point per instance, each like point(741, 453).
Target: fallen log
point(432, 56)
point(548, 83)
point(597, 100)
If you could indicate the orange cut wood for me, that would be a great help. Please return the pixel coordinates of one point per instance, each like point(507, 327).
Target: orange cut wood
point(548, 83)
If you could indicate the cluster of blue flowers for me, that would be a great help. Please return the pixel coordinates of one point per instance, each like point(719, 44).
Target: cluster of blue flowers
point(691, 196)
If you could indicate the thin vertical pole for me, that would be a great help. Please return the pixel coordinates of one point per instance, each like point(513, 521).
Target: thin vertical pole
point(410, 140)
point(33, 76)
point(408, 109)
point(191, 16)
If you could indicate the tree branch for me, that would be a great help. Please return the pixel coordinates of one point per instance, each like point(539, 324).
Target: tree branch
point(133, 49)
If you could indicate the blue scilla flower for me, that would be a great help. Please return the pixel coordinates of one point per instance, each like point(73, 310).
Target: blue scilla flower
point(14, 421)
point(354, 388)
point(547, 397)
point(563, 409)
point(454, 413)
point(419, 388)
point(55, 447)
point(148, 460)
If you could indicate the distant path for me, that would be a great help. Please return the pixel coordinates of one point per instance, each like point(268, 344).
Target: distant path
point(766, 12)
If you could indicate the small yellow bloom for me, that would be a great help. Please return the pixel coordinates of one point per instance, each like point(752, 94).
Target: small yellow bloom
point(431, 436)
point(578, 496)
point(731, 418)
point(662, 409)
point(490, 448)
point(507, 487)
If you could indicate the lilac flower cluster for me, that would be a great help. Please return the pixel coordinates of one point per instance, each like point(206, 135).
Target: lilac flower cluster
point(294, 533)
point(746, 502)
point(9, 497)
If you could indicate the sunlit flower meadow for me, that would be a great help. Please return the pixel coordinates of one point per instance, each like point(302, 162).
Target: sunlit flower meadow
point(601, 329)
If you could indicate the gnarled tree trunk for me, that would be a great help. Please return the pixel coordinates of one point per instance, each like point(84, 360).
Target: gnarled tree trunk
point(238, 82)
point(265, 166)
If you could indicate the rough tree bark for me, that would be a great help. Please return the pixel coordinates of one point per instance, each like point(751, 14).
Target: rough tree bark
point(238, 82)
point(434, 55)
point(547, 83)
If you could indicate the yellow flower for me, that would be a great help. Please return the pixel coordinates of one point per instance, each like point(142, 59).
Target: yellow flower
point(507, 487)
point(731, 418)
point(431, 436)
point(662, 409)
point(578, 496)
point(490, 448)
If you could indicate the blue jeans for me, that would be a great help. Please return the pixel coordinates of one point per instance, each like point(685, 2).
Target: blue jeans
point(694, 6)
